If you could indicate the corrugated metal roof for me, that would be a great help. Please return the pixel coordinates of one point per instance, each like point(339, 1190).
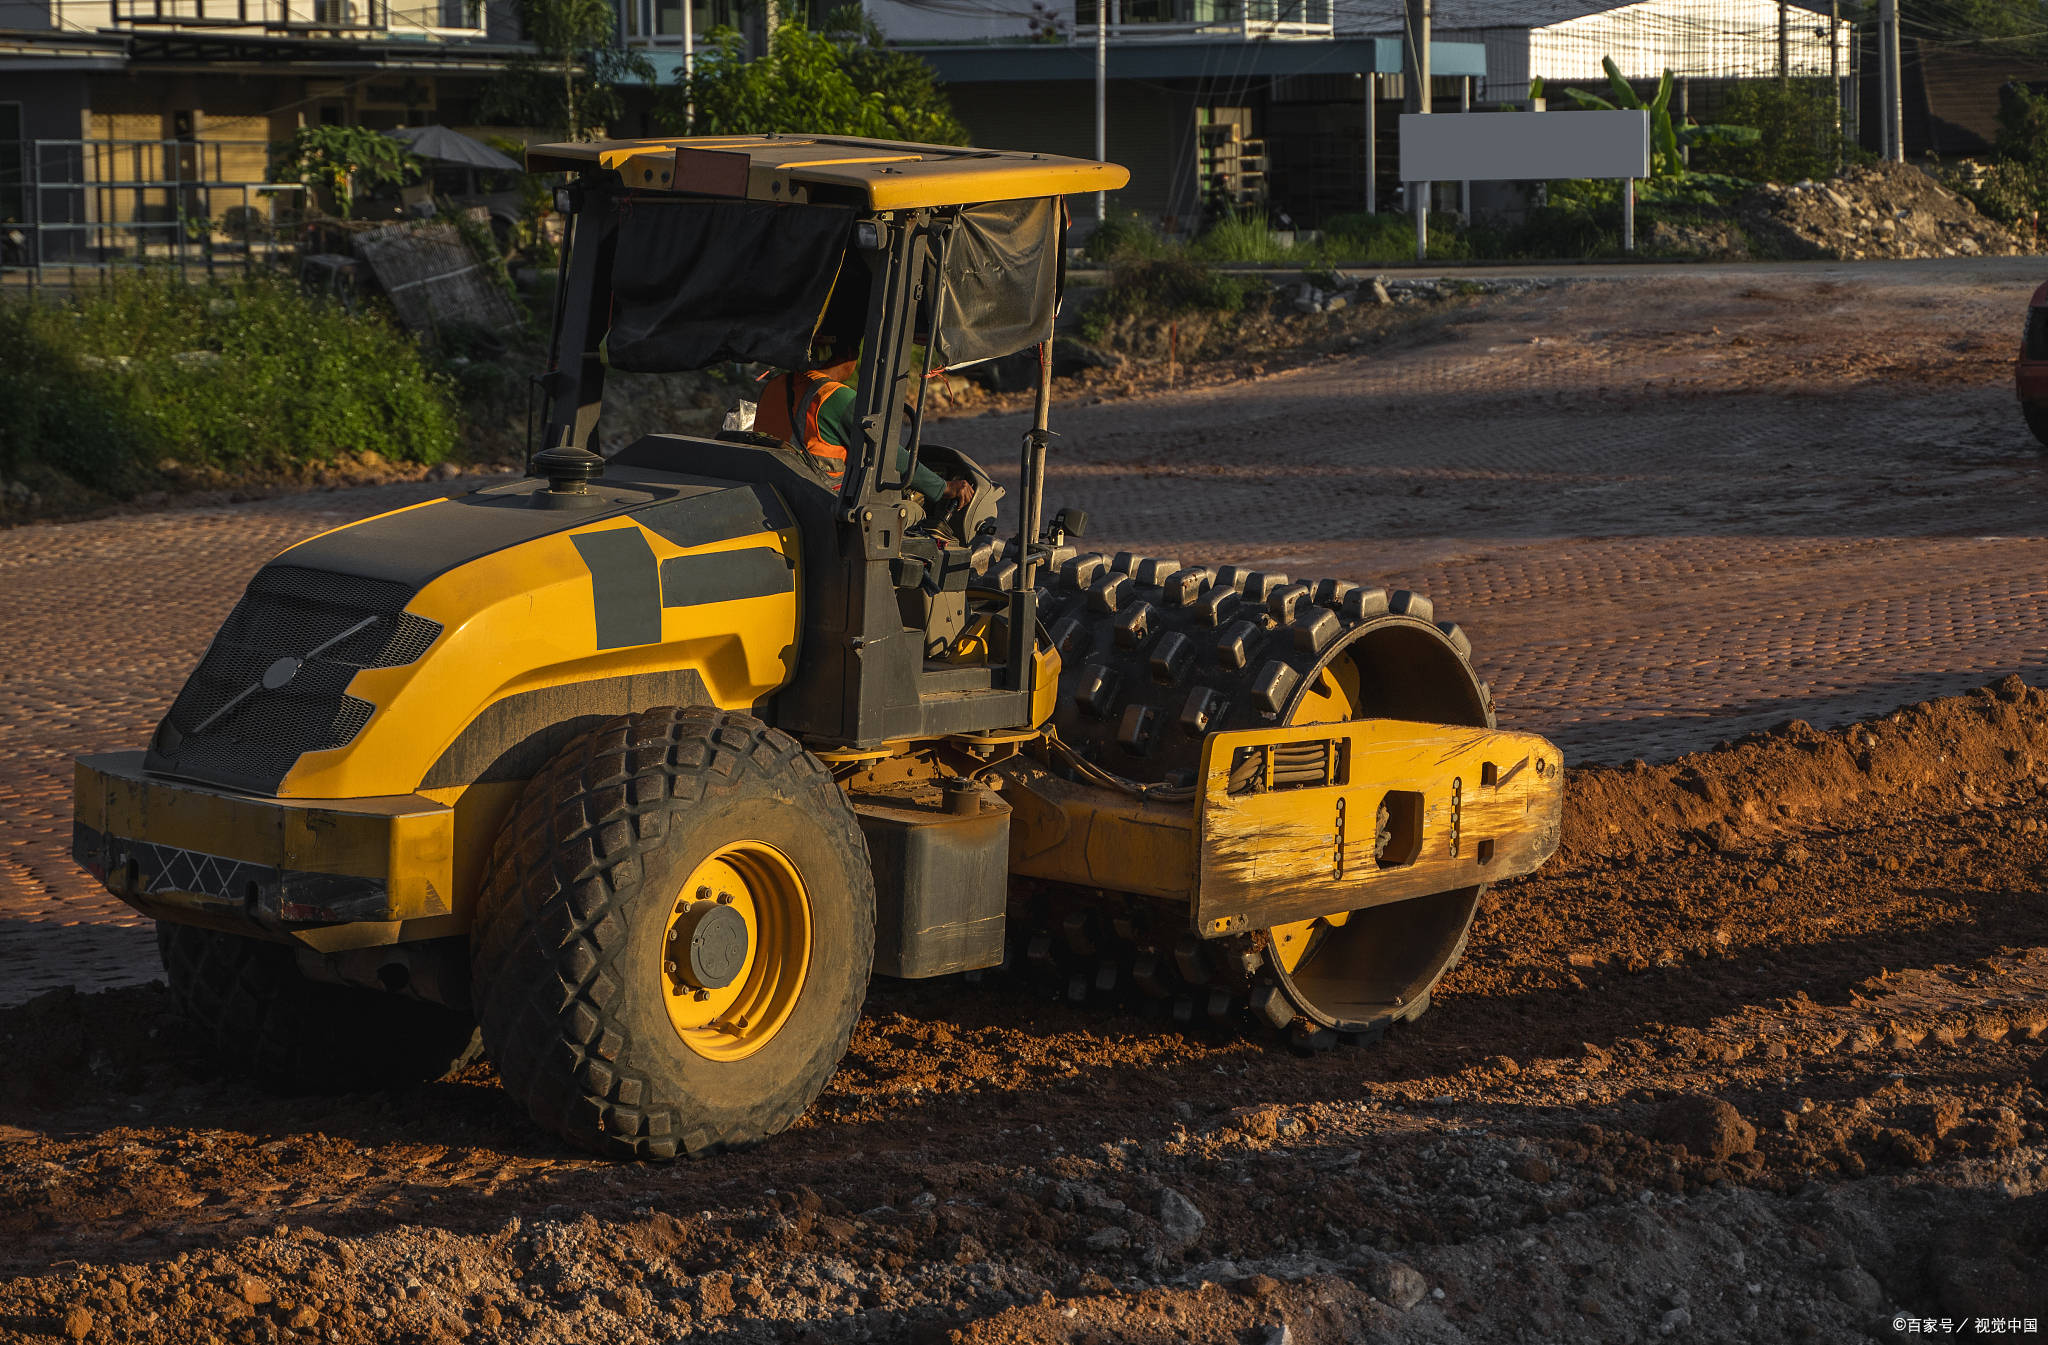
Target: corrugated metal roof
point(1962, 96)
point(1385, 16)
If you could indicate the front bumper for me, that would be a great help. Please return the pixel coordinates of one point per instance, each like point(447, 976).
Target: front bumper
point(186, 852)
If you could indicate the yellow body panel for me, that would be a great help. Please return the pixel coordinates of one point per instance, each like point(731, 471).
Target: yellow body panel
point(1486, 806)
point(1466, 806)
point(891, 175)
point(403, 846)
point(521, 619)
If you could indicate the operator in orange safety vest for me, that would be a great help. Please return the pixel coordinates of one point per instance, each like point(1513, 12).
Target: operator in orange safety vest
point(816, 411)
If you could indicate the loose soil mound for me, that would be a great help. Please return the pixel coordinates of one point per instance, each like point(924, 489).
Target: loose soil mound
point(1874, 210)
point(1937, 757)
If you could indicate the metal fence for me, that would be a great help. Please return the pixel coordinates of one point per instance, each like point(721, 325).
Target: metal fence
point(85, 206)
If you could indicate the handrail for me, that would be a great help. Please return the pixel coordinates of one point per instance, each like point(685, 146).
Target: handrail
point(337, 16)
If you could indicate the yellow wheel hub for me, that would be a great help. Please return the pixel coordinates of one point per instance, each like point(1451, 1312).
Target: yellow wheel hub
point(736, 952)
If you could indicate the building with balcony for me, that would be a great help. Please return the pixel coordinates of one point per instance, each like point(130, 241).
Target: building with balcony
point(1212, 104)
point(129, 118)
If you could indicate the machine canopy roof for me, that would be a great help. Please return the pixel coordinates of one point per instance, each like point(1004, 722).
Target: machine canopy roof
point(697, 282)
point(877, 174)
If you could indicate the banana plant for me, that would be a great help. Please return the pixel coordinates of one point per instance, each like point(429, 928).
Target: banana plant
point(1666, 140)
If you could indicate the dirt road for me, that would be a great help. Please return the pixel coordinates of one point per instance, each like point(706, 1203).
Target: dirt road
point(1725, 1070)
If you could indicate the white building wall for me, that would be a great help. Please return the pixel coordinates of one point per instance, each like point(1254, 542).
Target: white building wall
point(969, 20)
point(1696, 39)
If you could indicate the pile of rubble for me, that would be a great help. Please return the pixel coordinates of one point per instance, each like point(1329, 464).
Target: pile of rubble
point(1348, 288)
point(1872, 211)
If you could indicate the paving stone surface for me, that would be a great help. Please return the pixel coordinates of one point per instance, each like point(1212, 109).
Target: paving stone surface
point(1646, 565)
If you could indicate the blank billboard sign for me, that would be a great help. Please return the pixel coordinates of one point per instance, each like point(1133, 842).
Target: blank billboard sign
point(1487, 146)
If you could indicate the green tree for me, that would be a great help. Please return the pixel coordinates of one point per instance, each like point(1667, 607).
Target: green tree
point(912, 97)
point(845, 83)
point(1666, 140)
point(2006, 27)
point(1792, 132)
point(2023, 127)
point(572, 78)
point(2013, 189)
point(341, 159)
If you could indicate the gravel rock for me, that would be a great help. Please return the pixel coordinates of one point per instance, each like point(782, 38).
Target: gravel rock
point(1179, 1219)
point(1395, 1283)
point(1859, 1289)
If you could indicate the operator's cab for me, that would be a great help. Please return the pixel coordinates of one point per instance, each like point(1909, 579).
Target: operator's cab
point(920, 619)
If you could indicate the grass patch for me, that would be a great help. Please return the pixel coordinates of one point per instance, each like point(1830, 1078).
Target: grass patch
point(249, 377)
point(1154, 289)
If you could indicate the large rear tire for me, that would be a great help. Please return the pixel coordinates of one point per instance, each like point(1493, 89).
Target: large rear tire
point(261, 1018)
point(676, 936)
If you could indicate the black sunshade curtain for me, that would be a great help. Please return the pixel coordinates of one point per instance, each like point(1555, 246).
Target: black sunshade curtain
point(1000, 290)
point(698, 282)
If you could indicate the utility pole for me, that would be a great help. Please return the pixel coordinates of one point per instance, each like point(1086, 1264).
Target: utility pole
point(1465, 188)
point(1685, 115)
point(689, 63)
point(1101, 100)
point(1884, 79)
point(1896, 108)
point(1415, 67)
point(1372, 148)
point(1835, 76)
point(1784, 48)
point(1891, 102)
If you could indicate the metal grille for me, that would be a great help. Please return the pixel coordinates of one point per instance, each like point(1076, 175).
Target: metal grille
point(1284, 766)
point(228, 727)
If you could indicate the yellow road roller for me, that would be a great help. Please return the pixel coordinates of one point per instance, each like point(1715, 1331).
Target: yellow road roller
point(631, 773)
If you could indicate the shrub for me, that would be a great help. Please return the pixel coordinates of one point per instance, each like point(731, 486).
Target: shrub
point(252, 376)
point(1236, 237)
point(1796, 126)
point(1165, 287)
point(1123, 236)
point(343, 160)
point(1390, 238)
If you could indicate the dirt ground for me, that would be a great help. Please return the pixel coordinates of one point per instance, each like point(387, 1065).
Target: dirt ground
point(1761, 1055)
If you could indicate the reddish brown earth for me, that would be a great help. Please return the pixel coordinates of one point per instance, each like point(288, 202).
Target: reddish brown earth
point(1759, 1056)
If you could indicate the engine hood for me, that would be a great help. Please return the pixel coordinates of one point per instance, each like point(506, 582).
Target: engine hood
point(367, 660)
